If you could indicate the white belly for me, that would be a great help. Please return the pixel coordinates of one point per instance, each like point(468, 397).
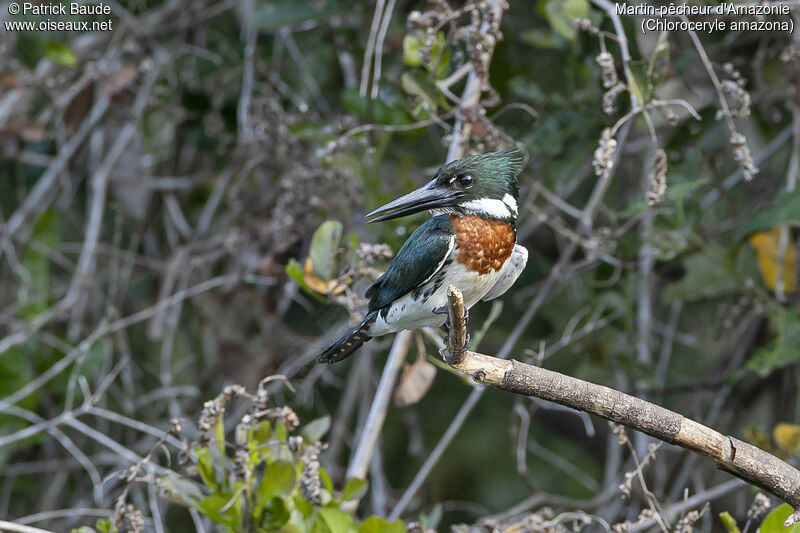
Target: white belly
point(416, 309)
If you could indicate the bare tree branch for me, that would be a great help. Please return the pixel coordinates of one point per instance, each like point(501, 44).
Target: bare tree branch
point(741, 459)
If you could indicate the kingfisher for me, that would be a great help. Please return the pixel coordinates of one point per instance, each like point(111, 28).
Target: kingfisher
point(469, 242)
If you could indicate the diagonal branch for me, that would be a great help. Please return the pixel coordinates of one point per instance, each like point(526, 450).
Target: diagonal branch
point(741, 459)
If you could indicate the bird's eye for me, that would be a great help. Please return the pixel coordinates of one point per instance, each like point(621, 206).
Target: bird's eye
point(465, 181)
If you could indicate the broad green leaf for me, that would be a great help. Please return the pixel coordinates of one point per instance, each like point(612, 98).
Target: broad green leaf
point(773, 523)
point(279, 479)
point(278, 512)
point(561, 13)
point(705, 277)
point(60, 53)
point(316, 429)
point(354, 489)
point(376, 524)
point(324, 245)
point(336, 521)
point(82, 529)
point(220, 509)
point(729, 522)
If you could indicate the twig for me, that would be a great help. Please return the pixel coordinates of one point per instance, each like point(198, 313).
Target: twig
point(380, 405)
point(376, 76)
point(10, 526)
point(744, 460)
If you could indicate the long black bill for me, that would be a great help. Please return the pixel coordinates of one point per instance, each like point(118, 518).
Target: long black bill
point(426, 197)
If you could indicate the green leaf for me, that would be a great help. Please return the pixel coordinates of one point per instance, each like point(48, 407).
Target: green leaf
point(336, 521)
point(220, 509)
point(641, 84)
point(561, 13)
point(295, 271)
point(431, 520)
point(105, 526)
point(785, 348)
point(262, 433)
point(705, 277)
point(82, 529)
point(324, 245)
point(412, 55)
point(316, 429)
point(279, 480)
point(326, 479)
point(354, 489)
point(376, 524)
point(785, 210)
point(773, 523)
point(60, 53)
point(205, 467)
point(277, 512)
point(179, 490)
point(729, 522)
point(381, 111)
point(539, 38)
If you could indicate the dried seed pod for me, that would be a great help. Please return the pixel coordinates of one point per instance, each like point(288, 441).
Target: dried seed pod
point(657, 178)
point(310, 482)
point(606, 62)
point(741, 152)
point(603, 159)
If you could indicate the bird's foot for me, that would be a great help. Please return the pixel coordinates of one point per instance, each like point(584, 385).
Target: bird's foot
point(455, 356)
point(443, 311)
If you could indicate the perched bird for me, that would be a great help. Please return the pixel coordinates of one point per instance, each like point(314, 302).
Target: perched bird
point(470, 243)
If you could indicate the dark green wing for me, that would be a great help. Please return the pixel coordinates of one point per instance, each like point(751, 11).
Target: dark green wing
point(420, 257)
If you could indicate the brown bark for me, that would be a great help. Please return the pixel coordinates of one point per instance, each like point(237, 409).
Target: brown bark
point(744, 460)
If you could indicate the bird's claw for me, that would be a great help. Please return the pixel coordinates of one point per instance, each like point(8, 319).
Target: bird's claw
point(443, 311)
point(460, 350)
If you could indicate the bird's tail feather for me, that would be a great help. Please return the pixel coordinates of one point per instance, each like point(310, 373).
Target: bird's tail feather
point(350, 341)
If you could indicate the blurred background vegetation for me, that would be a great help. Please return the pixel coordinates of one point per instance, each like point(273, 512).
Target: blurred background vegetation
point(182, 204)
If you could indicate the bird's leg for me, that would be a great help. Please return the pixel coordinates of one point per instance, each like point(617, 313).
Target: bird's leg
point(446, 326)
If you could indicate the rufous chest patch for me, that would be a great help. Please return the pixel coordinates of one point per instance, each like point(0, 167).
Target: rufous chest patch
point(483, 245)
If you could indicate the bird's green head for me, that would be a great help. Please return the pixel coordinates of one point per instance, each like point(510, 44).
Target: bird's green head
point(481, 184)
